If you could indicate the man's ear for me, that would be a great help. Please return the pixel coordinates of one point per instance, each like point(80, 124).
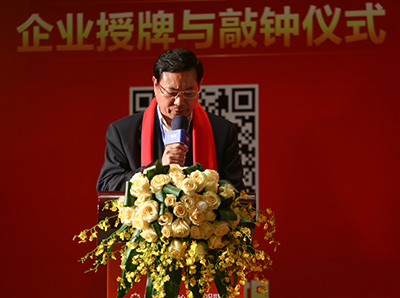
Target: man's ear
point(201, 82)
point(154, 81)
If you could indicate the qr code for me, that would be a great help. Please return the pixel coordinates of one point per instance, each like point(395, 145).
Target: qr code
point(236, 103)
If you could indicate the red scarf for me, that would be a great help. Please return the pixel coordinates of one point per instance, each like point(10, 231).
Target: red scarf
point(202, 137)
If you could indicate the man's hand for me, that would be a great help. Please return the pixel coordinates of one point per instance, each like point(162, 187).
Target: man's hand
point(174, 154)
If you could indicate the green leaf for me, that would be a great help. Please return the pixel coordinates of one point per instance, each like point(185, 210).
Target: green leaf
point(150, 291)
point(129, 253)
point(193, 168)
point(244, 219)
point(226, 214)
point(128, 200)
point(225, 203)
point(221, 285)
point(157, 169)
point(160, 196)
point(170, 189)
point(162, 209)
point(196, 289)
point(157, 228)
point(172, 286)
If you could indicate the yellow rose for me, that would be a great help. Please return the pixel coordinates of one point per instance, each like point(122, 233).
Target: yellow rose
point(120, 202)
point(127, 214)
point(177, 177)
point(141, 199)
point(189, 186)
point(180, 228)
point(196, 217)
point(140, 185)
point(174, 167)
point(176, 249)
point(196, 232)
point(215, 242)
point(180, 210)
point(207, 228)
point(148, 211)
point(211, 186)
point(166, 218)
point(211, 215)
point(200, 250)
point(221, 228)
point(139, 223)
point(226, 191)
point(149, 235)
point(200, 178)
point(212, 176)
point(166, 231)
point(158, 182)
point(170, 200)
point(212, 199)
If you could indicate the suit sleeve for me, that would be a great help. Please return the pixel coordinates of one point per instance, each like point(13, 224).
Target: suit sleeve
point(232, 168)
point(117, 169)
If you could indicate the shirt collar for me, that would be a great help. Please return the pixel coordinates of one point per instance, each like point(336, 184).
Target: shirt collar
point(164, 123)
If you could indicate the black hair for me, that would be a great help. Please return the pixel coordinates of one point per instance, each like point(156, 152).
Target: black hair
point(177, 60)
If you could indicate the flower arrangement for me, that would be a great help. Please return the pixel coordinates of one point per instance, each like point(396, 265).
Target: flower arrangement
point(183, 224)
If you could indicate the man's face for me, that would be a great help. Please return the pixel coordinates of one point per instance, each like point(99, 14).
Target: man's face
point(172, 82)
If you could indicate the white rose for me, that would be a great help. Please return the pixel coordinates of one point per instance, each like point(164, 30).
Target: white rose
point(158, 182)
point(203, 206)
point(188, 186)
point(190, 201)
point(200, 178)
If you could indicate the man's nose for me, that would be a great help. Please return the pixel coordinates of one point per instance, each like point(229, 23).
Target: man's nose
point(179, 99)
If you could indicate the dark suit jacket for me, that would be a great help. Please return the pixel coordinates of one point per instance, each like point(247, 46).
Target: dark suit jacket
point(123, 155)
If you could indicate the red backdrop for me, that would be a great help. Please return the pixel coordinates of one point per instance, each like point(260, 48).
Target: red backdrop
point(328, 142)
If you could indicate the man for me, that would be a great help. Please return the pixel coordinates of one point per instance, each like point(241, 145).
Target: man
point(136, 142)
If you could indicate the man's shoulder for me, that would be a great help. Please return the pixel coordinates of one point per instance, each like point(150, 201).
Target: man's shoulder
point(219, 120)
point(129, 121)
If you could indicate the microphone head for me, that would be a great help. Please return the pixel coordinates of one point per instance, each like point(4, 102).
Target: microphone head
point(179, 122)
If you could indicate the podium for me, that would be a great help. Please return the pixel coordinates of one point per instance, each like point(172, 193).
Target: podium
point(113, 266)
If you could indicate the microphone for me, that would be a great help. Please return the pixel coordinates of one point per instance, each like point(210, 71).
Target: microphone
point(178, 134)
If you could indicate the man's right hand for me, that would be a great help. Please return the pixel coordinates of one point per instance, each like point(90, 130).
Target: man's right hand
point(174, 154)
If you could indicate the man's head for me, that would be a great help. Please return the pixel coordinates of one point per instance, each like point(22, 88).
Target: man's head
point(177, 78)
